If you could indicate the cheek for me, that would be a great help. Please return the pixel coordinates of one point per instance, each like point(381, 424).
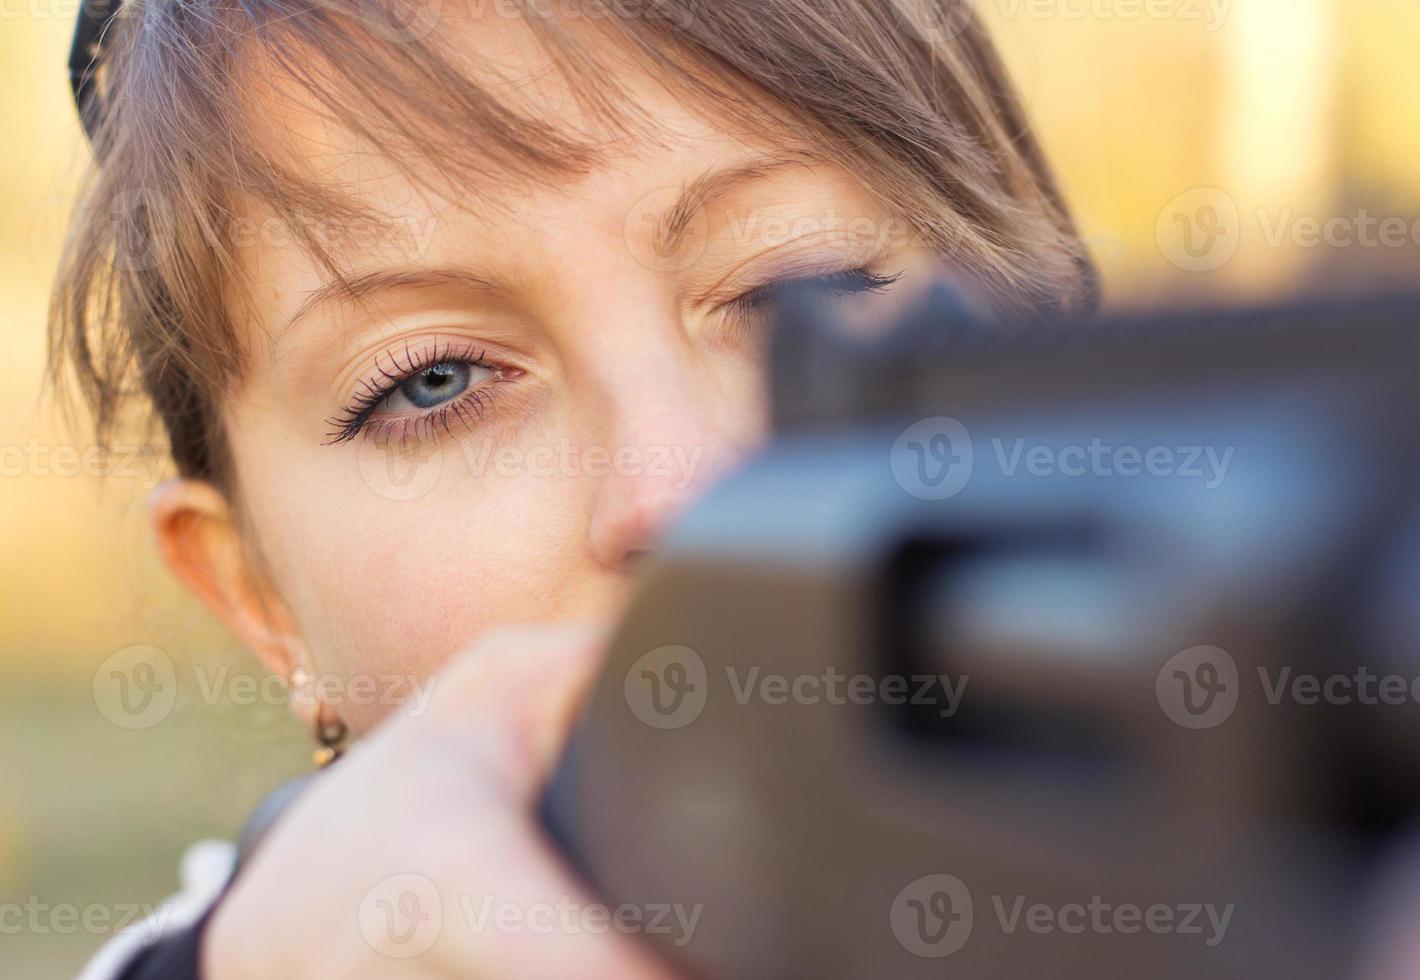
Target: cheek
point(390, 570)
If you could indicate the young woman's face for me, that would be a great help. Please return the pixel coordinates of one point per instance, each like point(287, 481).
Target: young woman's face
point(531, 381)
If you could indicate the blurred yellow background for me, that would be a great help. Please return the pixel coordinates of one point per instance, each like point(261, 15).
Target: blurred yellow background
point(1212, 149)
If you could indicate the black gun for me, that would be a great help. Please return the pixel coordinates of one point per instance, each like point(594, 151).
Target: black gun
point(1073, 649)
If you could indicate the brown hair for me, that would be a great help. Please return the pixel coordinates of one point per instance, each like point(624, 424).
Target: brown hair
point(907, 94)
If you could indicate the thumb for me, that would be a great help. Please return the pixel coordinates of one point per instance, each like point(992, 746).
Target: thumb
point(511, 698)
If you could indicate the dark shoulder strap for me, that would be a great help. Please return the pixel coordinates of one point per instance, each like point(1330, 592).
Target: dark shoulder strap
point(178, 954)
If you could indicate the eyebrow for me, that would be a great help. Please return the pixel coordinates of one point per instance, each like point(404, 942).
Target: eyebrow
point(671, 225)
point(709, 187)
point(357, 288)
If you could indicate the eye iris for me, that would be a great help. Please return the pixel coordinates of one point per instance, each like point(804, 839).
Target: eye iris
point(436, 384)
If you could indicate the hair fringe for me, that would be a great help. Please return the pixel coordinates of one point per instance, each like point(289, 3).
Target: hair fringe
point(148, 298)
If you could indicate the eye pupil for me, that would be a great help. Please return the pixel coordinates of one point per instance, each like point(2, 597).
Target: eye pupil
point(436, 383)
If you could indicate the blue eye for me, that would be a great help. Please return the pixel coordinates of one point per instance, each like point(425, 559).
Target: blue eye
point(419, 395)
point(434, 385)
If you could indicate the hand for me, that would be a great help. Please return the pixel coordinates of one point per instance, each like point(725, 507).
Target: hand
point(389, 864)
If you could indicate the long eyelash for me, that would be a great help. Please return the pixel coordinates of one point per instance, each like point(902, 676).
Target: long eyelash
point(859, 280)
point(468, 407)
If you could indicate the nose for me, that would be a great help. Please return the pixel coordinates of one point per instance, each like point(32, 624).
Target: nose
point(668, 442)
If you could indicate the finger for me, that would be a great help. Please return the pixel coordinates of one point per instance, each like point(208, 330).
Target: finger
point(525, 684)
point(510, 906)
point(511, 699)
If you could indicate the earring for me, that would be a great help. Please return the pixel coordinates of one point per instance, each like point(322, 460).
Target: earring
point(299, 678)
point(331, 736)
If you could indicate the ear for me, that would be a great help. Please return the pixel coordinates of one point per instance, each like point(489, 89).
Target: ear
point(199, 539)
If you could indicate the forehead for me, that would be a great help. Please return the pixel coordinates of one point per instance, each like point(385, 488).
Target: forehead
point(394, 189)
point(431, 199)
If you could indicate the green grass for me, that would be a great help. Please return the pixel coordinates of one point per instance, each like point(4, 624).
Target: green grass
point(95, 815)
